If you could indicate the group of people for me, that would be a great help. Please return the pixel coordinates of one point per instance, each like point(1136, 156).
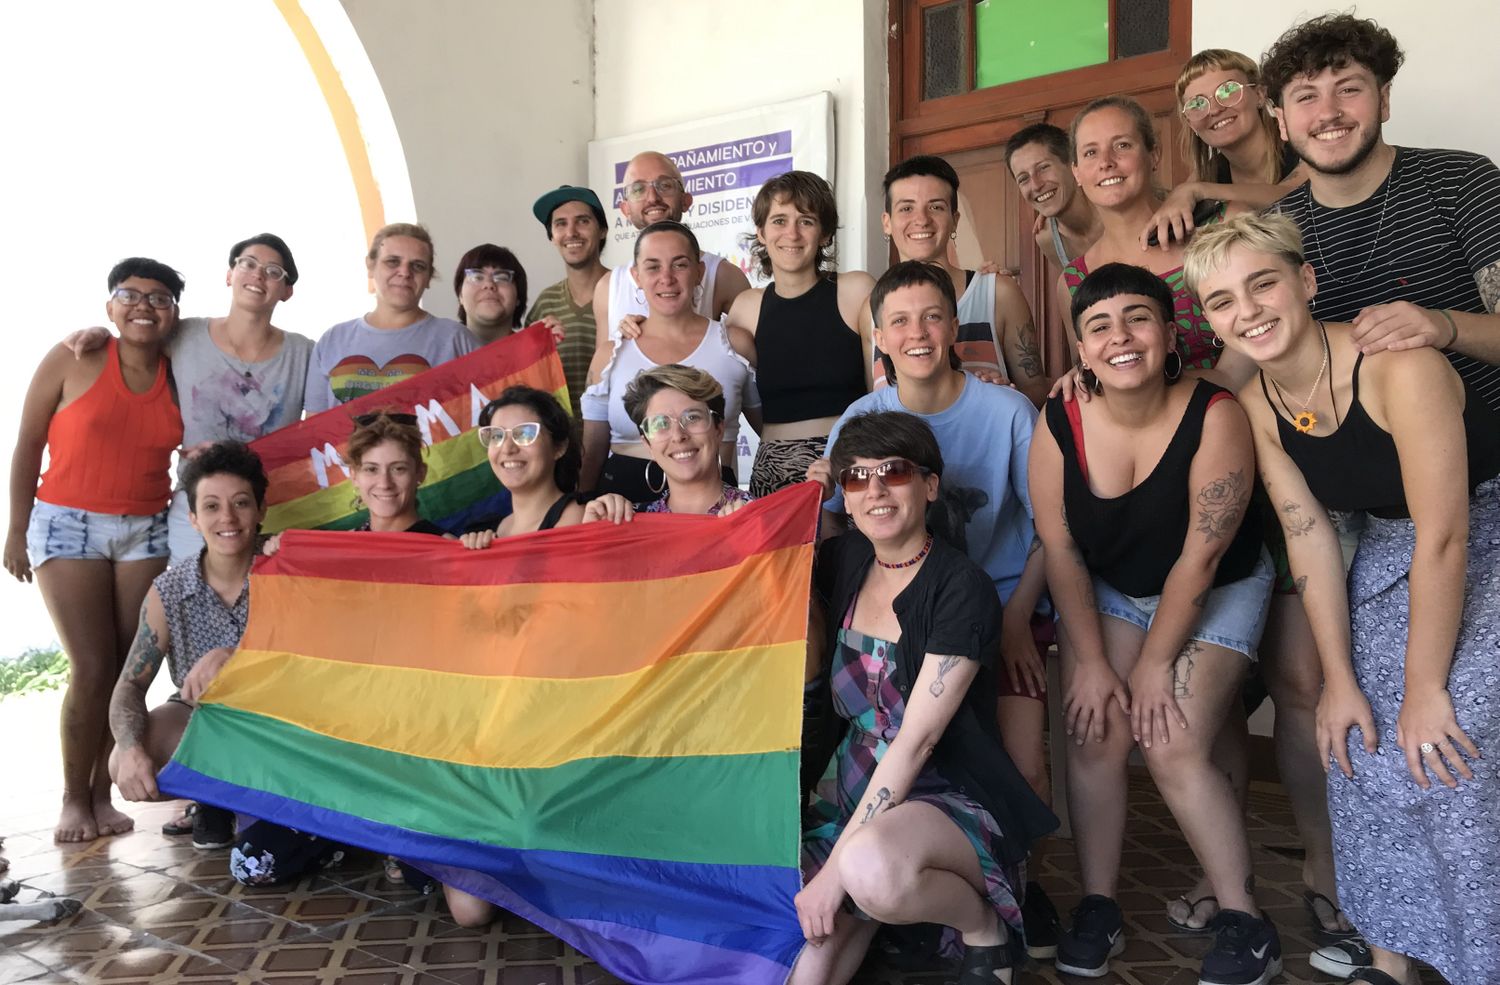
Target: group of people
point(1267, 448)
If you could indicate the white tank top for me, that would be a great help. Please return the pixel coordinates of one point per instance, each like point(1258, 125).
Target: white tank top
point(622, 296)
point(605, 400)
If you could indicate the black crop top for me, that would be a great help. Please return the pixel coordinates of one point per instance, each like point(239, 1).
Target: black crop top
point(1132, 540)
point(1357, 468)
point(809, 364)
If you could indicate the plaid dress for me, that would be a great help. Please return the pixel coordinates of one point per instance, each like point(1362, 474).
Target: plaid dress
point(865, 694)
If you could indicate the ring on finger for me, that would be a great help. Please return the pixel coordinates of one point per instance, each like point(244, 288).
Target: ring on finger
point(1427, 747)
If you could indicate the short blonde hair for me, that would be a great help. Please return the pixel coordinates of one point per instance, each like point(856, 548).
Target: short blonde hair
point(695, 383)
point(1209, 248)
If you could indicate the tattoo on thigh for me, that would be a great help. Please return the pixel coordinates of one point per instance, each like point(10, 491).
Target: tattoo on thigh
point(1294, 521)
point(1221, 503)
point(1201, 599)
point(945, 664)
point(1182, 670)
point(1030, 351)
point(881, 802)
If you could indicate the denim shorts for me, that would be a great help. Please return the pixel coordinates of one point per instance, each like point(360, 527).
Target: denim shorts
point(63, 532)
point(1233, 618)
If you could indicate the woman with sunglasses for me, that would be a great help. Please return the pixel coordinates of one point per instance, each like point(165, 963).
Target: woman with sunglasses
point(1407, 638)
point(398, 339)
point(1162, 593)
point(679, 413)
point(1232, 140)
point(668, 272)
point(932, 822)
point(94, 531)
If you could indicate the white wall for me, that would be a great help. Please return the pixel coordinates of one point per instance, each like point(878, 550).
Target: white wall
point(668, 61)
point(1440, 96)
point(494, 104)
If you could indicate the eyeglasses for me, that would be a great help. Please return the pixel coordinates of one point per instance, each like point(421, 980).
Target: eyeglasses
point(1228, 94)
point(691, 421)
point(522, 434)
point(365, 420)
point(248, 263)
point(636, 190)
point(896, 472)
point(499, 276)
point(156, 299)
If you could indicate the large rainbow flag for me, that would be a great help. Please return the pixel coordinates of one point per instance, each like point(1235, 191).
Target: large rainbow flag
point(595, 727)
point(305, 462)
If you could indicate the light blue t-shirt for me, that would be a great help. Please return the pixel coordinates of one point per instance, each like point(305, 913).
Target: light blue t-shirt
point(983, 504)
point(353, 358)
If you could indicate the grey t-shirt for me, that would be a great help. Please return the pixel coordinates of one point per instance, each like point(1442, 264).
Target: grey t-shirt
point(223, 398)
point(352, 358)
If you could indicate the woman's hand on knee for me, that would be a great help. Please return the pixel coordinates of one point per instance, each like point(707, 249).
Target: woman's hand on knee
point(818, 905)
point(1153, 704)
point(1342, 707)
point(1093, 685)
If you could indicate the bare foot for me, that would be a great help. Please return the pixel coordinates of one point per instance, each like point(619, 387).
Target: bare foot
point(110, 819)
point(76, 823)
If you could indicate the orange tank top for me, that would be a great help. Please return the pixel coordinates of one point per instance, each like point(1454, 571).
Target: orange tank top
point(110, 451)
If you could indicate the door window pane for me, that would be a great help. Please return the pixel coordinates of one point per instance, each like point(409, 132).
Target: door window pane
point(1141, 27)
point(1022, 39)
point(945, 57)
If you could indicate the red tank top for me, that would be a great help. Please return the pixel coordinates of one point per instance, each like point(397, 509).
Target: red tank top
point(110, 451)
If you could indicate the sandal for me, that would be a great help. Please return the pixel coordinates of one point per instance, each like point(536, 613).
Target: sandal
point(393, 871)
point(182, 824)
point(1321, 935)
point(1183, 926)
point(987, 965)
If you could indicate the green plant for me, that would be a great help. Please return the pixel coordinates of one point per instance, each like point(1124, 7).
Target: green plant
point(38, 669)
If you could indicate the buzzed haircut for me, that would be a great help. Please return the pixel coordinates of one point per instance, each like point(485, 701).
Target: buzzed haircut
point(1054, 138)
point(1331, 41)
point(910, 273)
point(923, 165)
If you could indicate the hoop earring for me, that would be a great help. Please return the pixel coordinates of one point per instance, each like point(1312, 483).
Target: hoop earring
point(658, 489)
point(1214, 339)
point(1090, 380)
point(640, 297)
point(698, 296)
point(1172, 366)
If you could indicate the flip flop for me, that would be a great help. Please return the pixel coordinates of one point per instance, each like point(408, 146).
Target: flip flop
point(1192, 906)
point(182, 824)
point(1321, 934)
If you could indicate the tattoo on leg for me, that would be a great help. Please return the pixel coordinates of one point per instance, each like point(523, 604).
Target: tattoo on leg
point(1221, 503)
point(881, 802)
point(945, 664)
point(1250, 884)
point(1301, 585)
point(1030, 351)
point(1201, 599)
point(1182, 669)
point(1295, 522)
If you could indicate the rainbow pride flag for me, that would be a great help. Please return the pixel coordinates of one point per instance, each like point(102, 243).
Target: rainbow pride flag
point(310, 487)
point(595, 727)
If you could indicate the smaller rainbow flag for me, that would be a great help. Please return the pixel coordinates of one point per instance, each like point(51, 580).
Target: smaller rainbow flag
point(310, 487)
point(597, 727)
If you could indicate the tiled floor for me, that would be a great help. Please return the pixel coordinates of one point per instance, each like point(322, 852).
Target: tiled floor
point(156, 910)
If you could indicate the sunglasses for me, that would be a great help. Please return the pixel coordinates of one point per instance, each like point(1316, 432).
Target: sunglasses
point(1227, 94)
point(522, 434)
point(896, 472)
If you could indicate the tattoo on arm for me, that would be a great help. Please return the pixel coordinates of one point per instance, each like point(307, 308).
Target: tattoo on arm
point(1488, 280)
point(945, 664)
point(1221, 503)
point(1301, 585)
point(1029, 348)
point(1036, 545)
point(145, 656)
point(127, 706)
point(1182, 669)
point(881, 802)
point(1201, 599)
point(1294, 521)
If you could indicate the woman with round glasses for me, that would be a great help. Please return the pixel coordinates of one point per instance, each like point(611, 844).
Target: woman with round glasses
point(1162, 590)
point(668, 272)
point(1407, 638)
point(679, 413)
point(1232, 140)
point(398, 339)
point(490, 284)
point(94, 532)
point(931, 821)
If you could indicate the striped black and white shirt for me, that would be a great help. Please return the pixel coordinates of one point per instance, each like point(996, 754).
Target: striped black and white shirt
point(1424, 236)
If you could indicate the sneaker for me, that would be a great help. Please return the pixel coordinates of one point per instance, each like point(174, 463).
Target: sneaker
point(1040, 918)
point(1342, 958)
point(1097, 934)
point(1246, 951)
point(213, 827)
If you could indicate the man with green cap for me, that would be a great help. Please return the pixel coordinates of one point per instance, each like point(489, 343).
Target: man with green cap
point(576, 225)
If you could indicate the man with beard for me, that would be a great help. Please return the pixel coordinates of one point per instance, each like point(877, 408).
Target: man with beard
point(1405, 241)
point(654, 191)
point(576, 225)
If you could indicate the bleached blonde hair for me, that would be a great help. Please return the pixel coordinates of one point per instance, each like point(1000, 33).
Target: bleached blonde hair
point(1209, 248)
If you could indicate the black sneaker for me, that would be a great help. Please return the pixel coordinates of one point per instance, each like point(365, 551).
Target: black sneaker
point(1040, 918)
point(213, 827)
point(1097, 934)
point(1246, 951)
point(1343, 957)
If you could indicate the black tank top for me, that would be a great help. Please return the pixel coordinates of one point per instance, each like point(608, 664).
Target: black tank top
point(809, 364)
point(555, 511)
point(1132, 540)
point(1357, 468)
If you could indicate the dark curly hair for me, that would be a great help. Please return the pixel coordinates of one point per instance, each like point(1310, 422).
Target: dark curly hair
point(1329, 41)
point(809, 193)
point(554, 420)
point(886, 434)
point(221, 458)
